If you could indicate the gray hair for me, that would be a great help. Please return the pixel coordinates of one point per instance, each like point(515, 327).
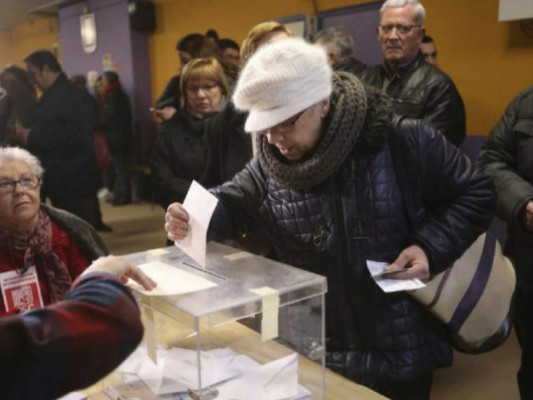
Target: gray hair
point(10, 154)
point(336, 40)
point(419, 8)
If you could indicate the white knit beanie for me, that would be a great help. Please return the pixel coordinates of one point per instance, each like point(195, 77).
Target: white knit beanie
point(280, 80)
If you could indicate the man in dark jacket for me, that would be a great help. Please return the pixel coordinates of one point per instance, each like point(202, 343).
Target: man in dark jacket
point(340, 48)
point(419, 89)
point(61, 135)
point(324, 189)
point(507, 156)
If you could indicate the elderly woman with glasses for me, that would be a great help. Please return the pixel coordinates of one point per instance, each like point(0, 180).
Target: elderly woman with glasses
point(42, 249)
point(179, 154)
point(324, 188)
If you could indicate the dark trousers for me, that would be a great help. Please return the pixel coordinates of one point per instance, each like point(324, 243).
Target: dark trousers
point(86, 208)
point(121, 187)
point(523, 261)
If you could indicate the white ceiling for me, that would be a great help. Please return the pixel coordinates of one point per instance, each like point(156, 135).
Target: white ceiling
point(16, 12)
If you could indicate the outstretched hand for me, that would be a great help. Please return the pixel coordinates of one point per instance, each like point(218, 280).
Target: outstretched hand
point(122, 269)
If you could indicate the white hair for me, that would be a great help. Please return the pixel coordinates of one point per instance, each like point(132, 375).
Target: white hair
point(419, 8)
point(10, 154)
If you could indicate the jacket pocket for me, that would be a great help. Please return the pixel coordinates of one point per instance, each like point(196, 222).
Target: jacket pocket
point(408, 108)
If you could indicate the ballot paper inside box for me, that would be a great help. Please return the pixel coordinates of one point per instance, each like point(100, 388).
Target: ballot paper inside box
point(244, 327)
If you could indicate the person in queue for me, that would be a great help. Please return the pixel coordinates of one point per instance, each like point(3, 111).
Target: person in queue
point(419, 89)
point(194, 45)
point(61, 134)
point(48, 352)
point(116, 124)
point(179, 153)
point(21, 98)
point(43, 249)
point(324, 189)
point(229, 147)
point(507, 156)
point(429, 49)
point(230, 51)
point(341, 50)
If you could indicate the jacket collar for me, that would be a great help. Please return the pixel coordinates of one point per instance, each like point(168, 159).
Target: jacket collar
point(401, 70)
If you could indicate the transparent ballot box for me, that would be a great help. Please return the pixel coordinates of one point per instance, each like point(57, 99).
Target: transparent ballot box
point(245, 327)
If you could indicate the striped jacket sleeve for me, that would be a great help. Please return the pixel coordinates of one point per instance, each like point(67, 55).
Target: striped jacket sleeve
point(69, 345)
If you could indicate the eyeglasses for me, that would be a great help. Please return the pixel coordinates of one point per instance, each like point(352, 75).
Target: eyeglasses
point(285, 125)
point(27, 183)
point(400, 28)
point(204, 88)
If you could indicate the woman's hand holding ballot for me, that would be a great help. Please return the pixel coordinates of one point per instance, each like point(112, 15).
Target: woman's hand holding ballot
point(176, 222)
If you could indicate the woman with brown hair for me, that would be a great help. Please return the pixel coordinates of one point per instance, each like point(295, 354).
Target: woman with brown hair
point(194, 45)
point(179, 154)
point(261, 34)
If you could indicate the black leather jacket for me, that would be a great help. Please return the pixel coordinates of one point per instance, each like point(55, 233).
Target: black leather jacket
point(507, 156)
point(421, 90)
point(351, 65)
point(357, 215)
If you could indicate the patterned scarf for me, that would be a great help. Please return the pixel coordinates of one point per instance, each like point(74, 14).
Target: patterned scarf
point(39, 244)
point(344, 125)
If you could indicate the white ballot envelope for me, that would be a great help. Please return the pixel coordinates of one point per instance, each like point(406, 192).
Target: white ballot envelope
point(200, 205)
point(275, 380)
point(388, 285)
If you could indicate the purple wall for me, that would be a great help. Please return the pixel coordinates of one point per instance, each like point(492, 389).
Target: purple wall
point(129, 49)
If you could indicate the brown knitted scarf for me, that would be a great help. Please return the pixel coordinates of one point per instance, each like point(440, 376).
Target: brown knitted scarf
point(39, 243)
point(343, 126)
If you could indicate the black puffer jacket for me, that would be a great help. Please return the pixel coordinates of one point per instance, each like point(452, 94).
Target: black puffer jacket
point(421, 90)
point(507, 156)
point(357, 215)
point(229, 147)
point(178, 157)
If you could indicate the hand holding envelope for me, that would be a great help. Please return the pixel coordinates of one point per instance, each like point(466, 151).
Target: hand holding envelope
point(187, 224)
